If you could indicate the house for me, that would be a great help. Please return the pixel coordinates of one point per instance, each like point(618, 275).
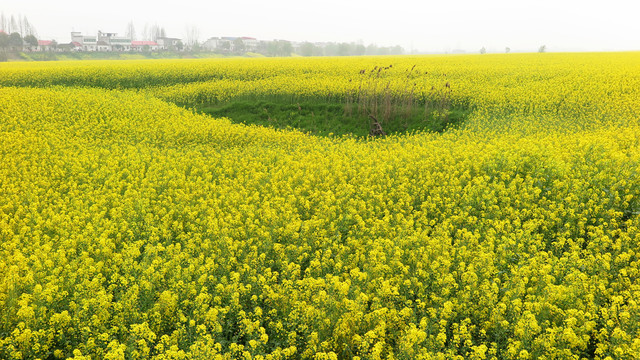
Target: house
point(230, 43)
point(102, 45)
point(65, 47)
point(250, 44)
point(144, 46)
point(75, 46)
point(45, 45)
point(211, 44)
point(120, 44)
point(106, 41)
point(115, 42)
point(223, 44)
point(102, 42)
point(167, 43)
point(87, 42)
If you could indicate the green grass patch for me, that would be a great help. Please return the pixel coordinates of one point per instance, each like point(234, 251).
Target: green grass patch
point(324, 118)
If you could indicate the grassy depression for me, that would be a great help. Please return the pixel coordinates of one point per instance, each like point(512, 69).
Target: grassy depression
point(325, 118)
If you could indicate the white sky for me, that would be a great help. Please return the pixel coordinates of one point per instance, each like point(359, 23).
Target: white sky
point(433, 26)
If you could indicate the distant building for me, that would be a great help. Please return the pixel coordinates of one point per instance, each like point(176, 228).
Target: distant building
point(229, 43)
point(144, 46)
point(87, 42)
point(216, 43)
point(65, 47)
point(102, 45)
point(167, 43)
point(75, 46)
point(45, 45)
point(115, 42)
point(112, 42)
point(224, 44)
point(250, 44)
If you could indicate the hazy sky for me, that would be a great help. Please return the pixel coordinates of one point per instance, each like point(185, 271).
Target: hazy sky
point(434, 26)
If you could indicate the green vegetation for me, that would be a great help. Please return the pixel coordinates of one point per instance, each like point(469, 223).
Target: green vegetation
point(374, 107)
point(321, 117)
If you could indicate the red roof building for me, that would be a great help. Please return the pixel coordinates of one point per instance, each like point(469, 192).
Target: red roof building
point(143, 43)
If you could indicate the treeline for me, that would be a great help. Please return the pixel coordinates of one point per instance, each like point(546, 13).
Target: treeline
point(15, 33)
point(16, 24)
point(347, 49)
point(287, 48)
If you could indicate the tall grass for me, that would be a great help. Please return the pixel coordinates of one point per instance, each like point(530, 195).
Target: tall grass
point(385, 103)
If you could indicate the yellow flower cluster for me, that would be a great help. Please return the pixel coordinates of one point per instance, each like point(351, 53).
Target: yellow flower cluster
point(131, 228)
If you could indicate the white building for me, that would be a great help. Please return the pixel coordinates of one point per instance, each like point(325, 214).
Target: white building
point(219, 43)
point(101, 42)
point(250, 44)
point(87, 42)
point(167, 43)
point(212, 44)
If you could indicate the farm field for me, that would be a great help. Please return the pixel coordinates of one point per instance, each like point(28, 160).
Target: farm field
point(499, 218)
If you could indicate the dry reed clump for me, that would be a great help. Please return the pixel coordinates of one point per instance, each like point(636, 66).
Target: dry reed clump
point(385, 102)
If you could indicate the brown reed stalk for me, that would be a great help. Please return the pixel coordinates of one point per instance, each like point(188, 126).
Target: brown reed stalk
point(382, 104)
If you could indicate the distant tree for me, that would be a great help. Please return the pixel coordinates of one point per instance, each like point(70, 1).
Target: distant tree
point(25, 28)
point(372, 49)
point(542, 49)
point(384, 51)
point(179, 45)
point(13, 25)
point(192, 35)
point(146, 32)
point(306, 49)
point(130, 33)
point(54, 45)
point(225, 46)
point(153, 32)
point(279, 48)
point(21, 26)
point(397, 50)
point(359, 50)
point(4, 44)
point(238, 46)
point(4, 40)
point(157, 32)
point(272, 48)
point(507, 50)
point(344, 49)
point(15, 41)
point(31, 41)
point(483, 50)
point(331, 49)
point(3, 22)
point(285, 48)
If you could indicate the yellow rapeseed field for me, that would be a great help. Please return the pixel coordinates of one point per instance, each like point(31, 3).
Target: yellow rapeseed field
point(135, 228)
